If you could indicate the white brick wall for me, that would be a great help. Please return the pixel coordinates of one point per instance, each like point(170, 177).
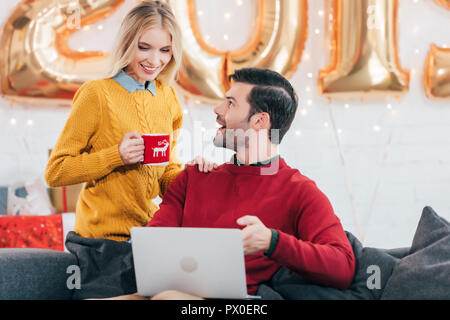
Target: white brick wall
point(377, 192)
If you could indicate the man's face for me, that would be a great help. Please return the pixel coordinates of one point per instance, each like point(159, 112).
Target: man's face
point(232, 115)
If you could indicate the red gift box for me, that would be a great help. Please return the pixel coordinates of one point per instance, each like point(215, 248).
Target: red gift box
point(43, 232)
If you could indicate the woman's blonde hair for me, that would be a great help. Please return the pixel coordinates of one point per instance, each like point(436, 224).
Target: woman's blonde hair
point(147, 15)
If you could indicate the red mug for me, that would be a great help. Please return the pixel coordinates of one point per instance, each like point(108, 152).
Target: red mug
point(157, 149)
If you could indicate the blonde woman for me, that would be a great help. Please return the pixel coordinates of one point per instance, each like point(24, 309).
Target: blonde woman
point(101, 142)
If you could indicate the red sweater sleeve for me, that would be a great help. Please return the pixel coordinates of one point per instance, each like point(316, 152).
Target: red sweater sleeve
point(322, 254)
point(170, 213)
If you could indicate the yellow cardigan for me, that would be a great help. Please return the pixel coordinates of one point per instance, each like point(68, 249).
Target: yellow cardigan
point(115, 197)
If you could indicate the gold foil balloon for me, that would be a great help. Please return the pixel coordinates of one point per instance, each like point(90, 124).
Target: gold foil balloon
point(36, 61)
point(437, 68)
point(444, 3)
point(277, 44)
point(437, 73)
point(364, 57)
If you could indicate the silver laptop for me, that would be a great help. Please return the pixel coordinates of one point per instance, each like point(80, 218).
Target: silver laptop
point(206, 262)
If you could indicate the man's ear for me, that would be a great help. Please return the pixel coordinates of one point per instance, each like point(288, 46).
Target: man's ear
point(261, 120)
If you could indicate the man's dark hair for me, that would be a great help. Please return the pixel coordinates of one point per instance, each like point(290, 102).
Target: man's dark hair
point(272, 94)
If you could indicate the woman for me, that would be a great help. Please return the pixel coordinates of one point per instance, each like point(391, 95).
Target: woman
point(101, 142)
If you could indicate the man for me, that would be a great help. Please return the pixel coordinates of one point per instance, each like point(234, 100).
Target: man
point(285, 219)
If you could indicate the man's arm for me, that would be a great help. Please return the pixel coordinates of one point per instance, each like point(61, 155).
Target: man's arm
point(323, 253)
point(170, 213)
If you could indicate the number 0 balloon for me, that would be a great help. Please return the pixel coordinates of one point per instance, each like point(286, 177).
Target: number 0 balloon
point(277, 44)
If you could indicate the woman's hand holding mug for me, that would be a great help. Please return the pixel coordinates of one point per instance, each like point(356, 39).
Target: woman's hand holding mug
point(131, 148)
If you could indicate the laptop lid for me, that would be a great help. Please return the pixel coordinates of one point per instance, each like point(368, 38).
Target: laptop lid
point(207, 262)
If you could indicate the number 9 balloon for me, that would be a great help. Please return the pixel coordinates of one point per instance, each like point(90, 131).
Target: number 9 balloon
point(444, 3)
point(437, 68)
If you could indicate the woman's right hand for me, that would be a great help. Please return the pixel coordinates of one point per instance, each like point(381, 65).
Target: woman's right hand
point(131, 148)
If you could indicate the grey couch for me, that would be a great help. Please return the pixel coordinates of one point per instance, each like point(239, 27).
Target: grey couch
point(421, 271)
point(35, 274)
point(40, 274)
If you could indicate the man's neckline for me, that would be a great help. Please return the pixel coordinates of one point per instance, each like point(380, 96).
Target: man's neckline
point(236, 162)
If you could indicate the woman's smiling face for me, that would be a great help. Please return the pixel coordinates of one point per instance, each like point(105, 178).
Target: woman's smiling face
point(153, 53)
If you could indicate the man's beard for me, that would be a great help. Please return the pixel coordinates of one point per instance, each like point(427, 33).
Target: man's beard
point(233, 138)
point(226, 139)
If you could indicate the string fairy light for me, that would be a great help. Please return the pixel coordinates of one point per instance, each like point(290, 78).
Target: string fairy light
point(348, 184)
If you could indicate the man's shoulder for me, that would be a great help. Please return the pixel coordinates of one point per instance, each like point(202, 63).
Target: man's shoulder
point(294, 179)
point(194, 172)
point(295, 174)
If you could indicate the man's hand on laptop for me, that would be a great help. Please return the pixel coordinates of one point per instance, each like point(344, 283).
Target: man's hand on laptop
point(255, 236)
point(203, 164)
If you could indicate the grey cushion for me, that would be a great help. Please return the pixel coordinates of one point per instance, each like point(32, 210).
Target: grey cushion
point(34, 274)
point(398, 252)
point(425, 272)
point(287, 285)
point(106, 267)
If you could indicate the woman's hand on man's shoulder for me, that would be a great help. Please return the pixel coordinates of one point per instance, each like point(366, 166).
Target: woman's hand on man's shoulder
point(203, 164)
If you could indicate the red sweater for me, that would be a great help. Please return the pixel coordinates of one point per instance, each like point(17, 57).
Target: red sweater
point(312, 242)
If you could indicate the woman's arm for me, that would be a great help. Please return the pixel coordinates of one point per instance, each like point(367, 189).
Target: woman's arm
point(72, 161)
point(174, 167)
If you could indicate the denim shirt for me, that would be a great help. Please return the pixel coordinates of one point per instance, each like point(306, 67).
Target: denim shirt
point(131, 85)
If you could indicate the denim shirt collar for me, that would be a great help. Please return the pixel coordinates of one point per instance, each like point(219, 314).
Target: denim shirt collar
point(131, 85)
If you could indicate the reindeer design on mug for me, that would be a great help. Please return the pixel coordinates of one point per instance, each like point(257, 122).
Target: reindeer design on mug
point(163, 150)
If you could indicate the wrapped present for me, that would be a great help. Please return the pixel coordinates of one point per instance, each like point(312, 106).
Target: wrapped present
point(64, 199)
point(44, 232)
